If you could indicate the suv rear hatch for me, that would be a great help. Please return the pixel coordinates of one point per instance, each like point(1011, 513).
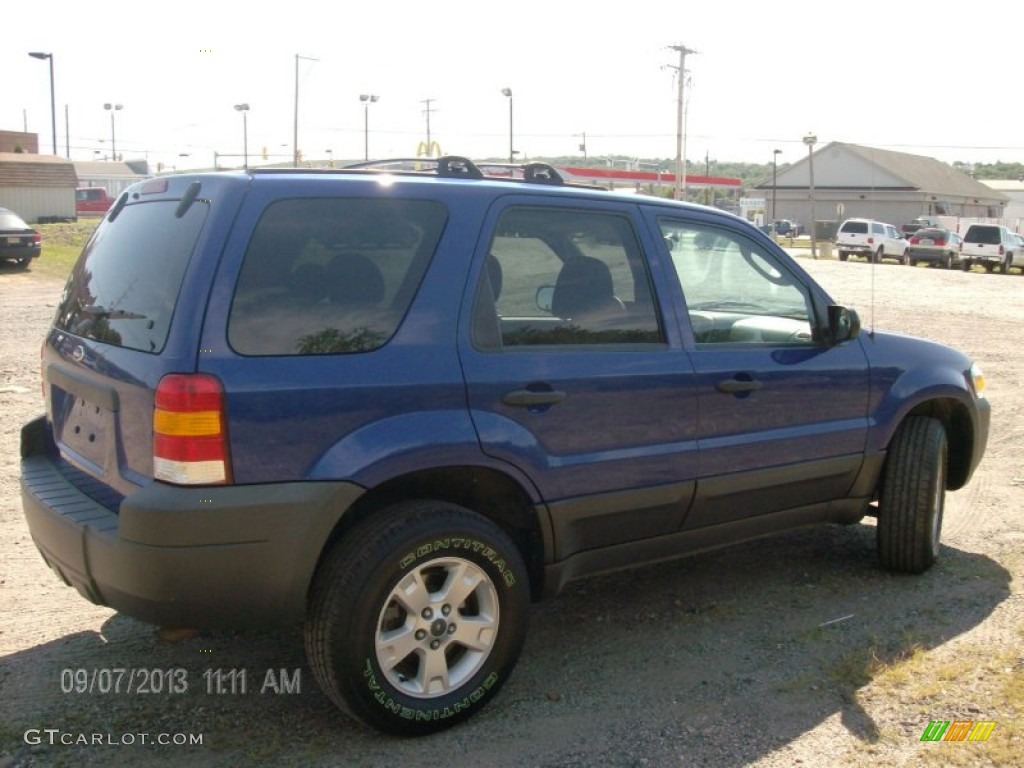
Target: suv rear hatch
point(112, 341)
point(983, 241)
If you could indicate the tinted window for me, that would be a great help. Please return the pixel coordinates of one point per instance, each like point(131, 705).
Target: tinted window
point(331, 276)
point(855, 227)
point(735, 291)
point(933, 234)
point(557, 276)
point(983, 234)
point(125, 285)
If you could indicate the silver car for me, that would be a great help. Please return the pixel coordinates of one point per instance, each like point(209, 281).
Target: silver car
point(935, 245)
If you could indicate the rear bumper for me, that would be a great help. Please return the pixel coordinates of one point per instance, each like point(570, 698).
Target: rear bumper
point(224, 557)
point(20, 252)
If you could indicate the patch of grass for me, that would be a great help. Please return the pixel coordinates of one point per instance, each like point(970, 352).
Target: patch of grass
point(978, 683)
point(62, 243)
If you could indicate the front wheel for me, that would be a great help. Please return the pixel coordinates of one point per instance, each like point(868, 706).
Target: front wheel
point(417, 617)
point(913, 496)
point(905, 259)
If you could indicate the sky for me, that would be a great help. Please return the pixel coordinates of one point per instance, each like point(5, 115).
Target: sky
point(909, 76)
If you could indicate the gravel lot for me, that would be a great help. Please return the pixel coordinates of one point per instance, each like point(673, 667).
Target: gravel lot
point(788, 651)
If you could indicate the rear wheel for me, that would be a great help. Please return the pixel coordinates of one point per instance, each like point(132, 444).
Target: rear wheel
point(905, 258)
point(879, 255)
point(948, 261)
point(1004, 268)
point(912, 496)
point(417, 617)
point(22, 263)
point(843, 255)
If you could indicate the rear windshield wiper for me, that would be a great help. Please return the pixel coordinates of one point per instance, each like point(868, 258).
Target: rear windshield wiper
point(95, 310)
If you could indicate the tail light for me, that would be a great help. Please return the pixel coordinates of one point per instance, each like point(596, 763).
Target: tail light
point(1001, 250)
point(36, 238)
point(871, 241)
point(190, 441)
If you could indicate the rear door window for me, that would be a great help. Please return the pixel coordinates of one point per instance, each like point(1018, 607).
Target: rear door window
point(331, 276)
point(124, 287)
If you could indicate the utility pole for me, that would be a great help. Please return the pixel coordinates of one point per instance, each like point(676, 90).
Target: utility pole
point(680, 133)
point(427, 112)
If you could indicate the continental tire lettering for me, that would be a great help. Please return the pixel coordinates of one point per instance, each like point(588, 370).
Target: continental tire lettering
point(406, 713)
point(445, 545)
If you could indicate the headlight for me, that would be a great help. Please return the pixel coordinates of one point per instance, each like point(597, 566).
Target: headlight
point(977, 380)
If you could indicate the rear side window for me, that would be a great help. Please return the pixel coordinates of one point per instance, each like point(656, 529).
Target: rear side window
point(855, 227)
point(124, 286)
point(984, 235)
point(331, 276)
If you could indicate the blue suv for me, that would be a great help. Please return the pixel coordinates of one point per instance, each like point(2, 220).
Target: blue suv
point(399, 403)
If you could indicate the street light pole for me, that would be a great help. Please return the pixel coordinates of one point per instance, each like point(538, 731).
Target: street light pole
point(367, 99)
point(244, 109)
point(295, 132)
point(810, 140)
point(775, 177)
point(113, 136)
point(53, 100)
point(511, 143)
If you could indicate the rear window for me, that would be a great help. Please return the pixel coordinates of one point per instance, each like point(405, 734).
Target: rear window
point(855, 227)
point(124, 286)
point(331, 276)
point(9, 220)
point(932, 234)
point(983, 234)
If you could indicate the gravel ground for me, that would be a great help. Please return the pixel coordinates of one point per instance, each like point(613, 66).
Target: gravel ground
point(796, 650)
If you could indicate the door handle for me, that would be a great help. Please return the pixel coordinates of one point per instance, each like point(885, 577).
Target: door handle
point(530, 398)
point(732, 386)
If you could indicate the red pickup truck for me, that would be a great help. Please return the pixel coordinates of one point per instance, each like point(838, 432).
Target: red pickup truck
point(92, 200)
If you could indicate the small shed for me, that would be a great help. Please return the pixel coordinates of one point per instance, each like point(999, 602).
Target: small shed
point(39, 188)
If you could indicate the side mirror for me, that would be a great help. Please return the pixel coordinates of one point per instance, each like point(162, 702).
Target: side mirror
point(843, 324)
point(545, 297)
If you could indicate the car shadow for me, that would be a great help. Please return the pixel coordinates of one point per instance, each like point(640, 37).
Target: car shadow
point(718, 659)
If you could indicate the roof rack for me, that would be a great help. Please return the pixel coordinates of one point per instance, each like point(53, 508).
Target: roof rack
point(454, 166)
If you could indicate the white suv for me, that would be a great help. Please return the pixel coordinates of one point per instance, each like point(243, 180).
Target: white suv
point(874, 240)
point(991, 245)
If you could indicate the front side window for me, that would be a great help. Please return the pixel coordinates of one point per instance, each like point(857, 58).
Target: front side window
point(736, 292)
point(331, 276)
point(561, 276)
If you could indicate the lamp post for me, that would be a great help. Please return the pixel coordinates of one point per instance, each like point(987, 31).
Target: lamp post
point(775, 177)
point(810, 140)
point(244, 109)
point(112, 108)
point(53, 102)
point(367, 99)
point(511, 144)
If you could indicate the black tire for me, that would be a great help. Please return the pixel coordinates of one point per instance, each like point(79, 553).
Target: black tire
point(878, 255)
point(376, 657)
point(843, 255)
point(966, 265)
point(913, 496)
point(1004, 268)
point(905, 259)
point(948, 261)
point(22, 263)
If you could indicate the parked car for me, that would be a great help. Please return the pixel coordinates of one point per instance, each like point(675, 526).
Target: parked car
point(993, 246)
point(935, 245)
point(872, 240)
point(788, 228)
point(18, 241)
point(91, 200)
point(285, 413)
point(920, 222)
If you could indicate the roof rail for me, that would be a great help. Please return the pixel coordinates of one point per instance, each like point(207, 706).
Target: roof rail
point(456, 166)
